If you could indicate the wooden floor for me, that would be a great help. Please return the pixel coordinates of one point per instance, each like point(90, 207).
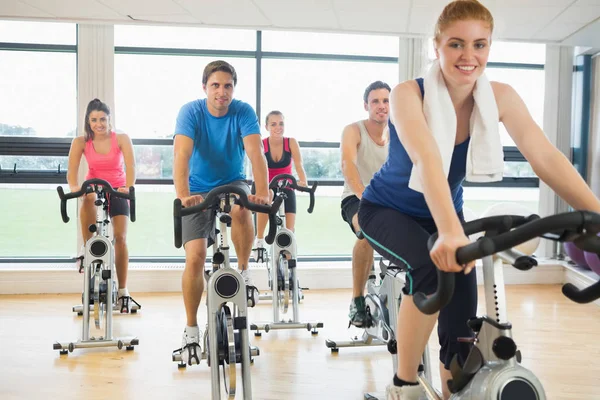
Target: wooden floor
point(559, 341)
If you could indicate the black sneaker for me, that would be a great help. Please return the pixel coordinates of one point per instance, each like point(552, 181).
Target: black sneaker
point(358, 313)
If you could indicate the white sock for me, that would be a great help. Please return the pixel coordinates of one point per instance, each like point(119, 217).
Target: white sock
point(192, 331)
point(123, 293)
point(259, 243)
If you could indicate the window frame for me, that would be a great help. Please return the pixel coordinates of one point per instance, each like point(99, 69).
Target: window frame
point(42, 146)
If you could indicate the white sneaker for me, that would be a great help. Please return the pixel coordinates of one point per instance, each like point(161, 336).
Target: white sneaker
point(79, 259)
point(250, 284)
point(124, 304)
point(259, 251)
point(247, 278)
point(393, 392)
point(191, 352)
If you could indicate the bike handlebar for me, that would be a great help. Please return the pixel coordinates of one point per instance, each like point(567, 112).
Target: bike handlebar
point(213, 198)
point(507, 231)
point(287, 180)
point(86, 187)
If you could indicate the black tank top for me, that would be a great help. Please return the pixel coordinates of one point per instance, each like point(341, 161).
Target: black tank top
point(286, 158)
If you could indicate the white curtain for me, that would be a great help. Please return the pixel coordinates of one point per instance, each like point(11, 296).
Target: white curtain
point(95, 79)
point(594, 143)
point(95, 68)
point(557, 126)
point(413, 58)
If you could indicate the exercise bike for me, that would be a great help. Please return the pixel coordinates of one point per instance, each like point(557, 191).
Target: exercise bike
point(282, 264)
point(382, 301)
point(102, 218)
point(99, 285)
point(493, 370)
point(226, 334)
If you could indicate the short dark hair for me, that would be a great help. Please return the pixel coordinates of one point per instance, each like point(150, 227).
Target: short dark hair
point(94, 105)
point(218, 65)
point(374, 86)
point(274, 112)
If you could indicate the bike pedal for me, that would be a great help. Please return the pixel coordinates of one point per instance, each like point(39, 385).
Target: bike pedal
point(81, 266)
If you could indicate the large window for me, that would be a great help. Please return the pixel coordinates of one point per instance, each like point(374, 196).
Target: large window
point(530, 85)
point(150, 90)
point(320, 97)
point(516, 52)
point(154, 162)
point(34, 163)
point(32, 225)
point(480, 199)
point(38, 98)
point(321, 233)
point(37, 94)
point(316, 79)
point(37, 79)
point(322, 163)
point(157, 71)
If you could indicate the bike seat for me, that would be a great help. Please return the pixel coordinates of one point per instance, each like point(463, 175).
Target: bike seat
point(391, 266)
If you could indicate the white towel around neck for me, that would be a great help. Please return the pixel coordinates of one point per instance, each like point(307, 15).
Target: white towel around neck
point(485, 155)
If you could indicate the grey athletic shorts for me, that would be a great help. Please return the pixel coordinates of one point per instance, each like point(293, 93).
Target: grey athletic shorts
point(203, 225)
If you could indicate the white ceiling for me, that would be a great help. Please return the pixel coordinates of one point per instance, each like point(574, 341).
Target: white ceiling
point(551, 21)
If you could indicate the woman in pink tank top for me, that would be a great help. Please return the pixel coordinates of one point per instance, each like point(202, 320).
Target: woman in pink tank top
point(110, 157)
point(280, 153)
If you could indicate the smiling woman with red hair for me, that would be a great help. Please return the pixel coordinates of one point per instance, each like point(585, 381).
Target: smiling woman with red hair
point(443, 129)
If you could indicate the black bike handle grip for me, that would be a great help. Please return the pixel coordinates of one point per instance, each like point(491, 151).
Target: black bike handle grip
point(63, 204)
point(132, 203)
point(273, 220)
point(177, 222)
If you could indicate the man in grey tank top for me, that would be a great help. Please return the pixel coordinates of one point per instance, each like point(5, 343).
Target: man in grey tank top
point(364, 148)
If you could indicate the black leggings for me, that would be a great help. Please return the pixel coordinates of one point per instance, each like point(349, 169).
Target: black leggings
point(289, 204)
point(403, 240)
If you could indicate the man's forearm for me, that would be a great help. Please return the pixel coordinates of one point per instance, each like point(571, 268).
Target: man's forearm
point(181, 172)
point(259, 168)
point(352, 177)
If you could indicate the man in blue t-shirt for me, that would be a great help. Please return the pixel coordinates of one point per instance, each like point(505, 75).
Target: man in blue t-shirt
point(211, 138)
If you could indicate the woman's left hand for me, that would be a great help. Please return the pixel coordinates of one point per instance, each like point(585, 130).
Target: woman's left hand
point(123, 190)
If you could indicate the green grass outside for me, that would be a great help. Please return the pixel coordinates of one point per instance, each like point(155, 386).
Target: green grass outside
point(32, 225)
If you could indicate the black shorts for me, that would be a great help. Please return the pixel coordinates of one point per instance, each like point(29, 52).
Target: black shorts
point(349, 209)
point(117, 206)
point(403, 240)
point(289, 203)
